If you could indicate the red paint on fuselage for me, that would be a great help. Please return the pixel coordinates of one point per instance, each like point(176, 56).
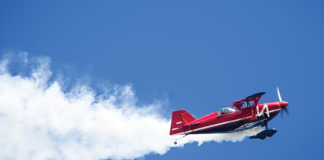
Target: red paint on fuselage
point(243, 115)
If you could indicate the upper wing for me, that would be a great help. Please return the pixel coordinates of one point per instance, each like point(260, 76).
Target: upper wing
point(255, 97)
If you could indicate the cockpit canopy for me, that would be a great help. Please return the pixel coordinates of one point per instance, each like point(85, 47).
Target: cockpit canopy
point(226, 110)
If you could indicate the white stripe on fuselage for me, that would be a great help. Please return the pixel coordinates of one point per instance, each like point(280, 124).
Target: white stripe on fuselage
point(179, 122)
point(218, 124)
point(274, 110)
point(214, 125)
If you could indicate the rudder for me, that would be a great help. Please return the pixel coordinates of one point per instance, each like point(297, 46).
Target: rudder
point(179, 119)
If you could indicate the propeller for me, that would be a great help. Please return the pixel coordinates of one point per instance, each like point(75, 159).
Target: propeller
point(282, 104)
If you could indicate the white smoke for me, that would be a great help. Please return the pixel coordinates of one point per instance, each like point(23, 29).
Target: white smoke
point(38, 120)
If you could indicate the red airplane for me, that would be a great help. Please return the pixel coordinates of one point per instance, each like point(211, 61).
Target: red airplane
point(229, 119)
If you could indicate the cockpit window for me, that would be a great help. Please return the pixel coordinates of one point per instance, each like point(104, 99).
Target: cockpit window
point(226, 110)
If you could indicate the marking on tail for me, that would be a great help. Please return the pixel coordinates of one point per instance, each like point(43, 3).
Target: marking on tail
point(179, 122)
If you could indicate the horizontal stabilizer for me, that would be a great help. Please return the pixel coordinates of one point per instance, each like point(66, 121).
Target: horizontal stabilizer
point(264, 134)
point(187, 118)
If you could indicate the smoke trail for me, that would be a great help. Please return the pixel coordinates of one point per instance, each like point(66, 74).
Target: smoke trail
point(41, 121)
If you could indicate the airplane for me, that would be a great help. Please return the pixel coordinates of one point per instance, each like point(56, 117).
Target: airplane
point(244, 114)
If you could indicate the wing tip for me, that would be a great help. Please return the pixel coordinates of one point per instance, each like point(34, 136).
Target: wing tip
point(256, 94)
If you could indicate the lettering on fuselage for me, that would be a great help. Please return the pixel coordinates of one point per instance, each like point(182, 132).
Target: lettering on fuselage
point(259, 114)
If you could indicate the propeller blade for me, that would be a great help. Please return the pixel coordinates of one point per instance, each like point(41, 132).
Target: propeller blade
point(286, 110)
point(279, 94)
point(283, 108)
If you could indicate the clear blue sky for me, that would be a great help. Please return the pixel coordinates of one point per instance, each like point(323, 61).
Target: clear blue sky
point(198, 54)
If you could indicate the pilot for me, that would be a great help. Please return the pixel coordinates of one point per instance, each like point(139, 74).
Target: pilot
point(223, 111)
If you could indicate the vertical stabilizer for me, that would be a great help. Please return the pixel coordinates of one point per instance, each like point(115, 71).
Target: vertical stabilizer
point(180, 119)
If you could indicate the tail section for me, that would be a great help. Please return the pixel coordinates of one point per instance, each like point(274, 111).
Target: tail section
point(180, 119)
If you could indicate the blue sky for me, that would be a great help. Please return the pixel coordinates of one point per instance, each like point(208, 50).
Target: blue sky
point(198, 55)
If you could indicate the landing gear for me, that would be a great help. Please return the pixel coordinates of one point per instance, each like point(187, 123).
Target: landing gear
point(266, 133)
point(175, 142)
point(266, 124)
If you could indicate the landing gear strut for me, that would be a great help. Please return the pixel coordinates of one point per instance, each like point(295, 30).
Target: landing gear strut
point(266, 124)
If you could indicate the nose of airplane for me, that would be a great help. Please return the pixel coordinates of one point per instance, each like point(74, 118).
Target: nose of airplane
point(284, 103)
point(283, 106)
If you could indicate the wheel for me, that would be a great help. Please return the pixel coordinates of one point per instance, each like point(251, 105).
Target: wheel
point(175, 142)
